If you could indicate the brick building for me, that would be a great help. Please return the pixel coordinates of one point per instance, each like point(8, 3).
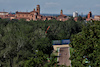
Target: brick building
point(33, 15)
point(89, 16)
point(62, 17)
point(6, 15)
point(97, 17)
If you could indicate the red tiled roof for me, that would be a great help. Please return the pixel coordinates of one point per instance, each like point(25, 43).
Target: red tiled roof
point(62, 16)
point(33, 11)
point(39, 15)
point(49, 16)
point(98, 15)
point(22, 18)
point(12, 15)
point(22, 13)
point(3, 12)
point(44, 16)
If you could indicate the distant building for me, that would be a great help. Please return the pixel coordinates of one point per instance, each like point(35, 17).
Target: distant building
point(33, 15)
point(62, 17)
point(97, 17)
point(6, 15)
point(75, 14)
point(3, 15)
point(75, 19)
point(89, 17)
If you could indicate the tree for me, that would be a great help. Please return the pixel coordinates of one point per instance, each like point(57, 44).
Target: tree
point(86, 44)
point(80, 18)
point(37, 60)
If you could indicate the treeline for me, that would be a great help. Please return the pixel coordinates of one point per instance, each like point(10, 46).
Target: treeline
point(85, 51)
point(26, 43)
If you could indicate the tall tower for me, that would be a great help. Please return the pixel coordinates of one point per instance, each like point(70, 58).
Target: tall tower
point(61, 13)
point(89, 15)
point(38, 9)
point(34, 9)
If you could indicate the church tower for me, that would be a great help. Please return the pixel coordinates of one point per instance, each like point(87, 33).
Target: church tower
point(38, 9)
point(89, 15)
point(61, 13)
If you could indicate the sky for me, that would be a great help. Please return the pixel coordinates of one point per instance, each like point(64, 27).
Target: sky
point(52, 6)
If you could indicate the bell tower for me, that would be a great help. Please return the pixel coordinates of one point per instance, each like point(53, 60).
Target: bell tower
point(61, 12)
point(38, 9)
point(89, 15)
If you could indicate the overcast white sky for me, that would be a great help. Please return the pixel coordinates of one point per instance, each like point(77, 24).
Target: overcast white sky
point(52, 6)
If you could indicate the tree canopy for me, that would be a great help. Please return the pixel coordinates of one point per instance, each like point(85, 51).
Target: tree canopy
point(19, 39)
point(86, 45)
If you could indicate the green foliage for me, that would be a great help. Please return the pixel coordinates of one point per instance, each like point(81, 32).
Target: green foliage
point(19, 39)
point(37, 60)
point(86, 43)
point(80, 18)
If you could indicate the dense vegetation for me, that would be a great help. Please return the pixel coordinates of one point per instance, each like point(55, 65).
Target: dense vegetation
point(25, 43)
point(85, 45)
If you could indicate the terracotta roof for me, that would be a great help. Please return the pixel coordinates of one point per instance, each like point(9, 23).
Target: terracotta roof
point(49, 16)
point(22, 13)
point(38, 5)
point(3, 12)
point(21, 18)
point(62, 16)
point(33, 11)
point(39, 15)
point(12, 15)
point(97, 15)
point(44, 17)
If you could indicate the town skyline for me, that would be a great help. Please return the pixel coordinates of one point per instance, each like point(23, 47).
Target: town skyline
point(52, 7)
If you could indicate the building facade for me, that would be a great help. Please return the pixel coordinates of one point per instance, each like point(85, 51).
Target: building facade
point(89, 16)
point(33, 15)
point(6, 15)
point(62, 17)
point(97, 17)
point(75, 14)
